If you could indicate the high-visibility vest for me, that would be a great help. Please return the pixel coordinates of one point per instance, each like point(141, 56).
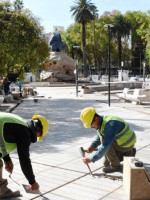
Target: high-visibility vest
point(5, 147)
point(126, 138)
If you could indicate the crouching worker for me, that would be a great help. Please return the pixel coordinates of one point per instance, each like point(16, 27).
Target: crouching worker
point(115, 136)
point(15, 132)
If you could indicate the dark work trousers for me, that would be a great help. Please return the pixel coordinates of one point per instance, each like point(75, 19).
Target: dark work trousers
point(115, 155)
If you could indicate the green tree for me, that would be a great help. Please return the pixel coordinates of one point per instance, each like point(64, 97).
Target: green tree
point(139, 27)
point(21, 41)
point(121, 29)
point(147, 50)
point(72, 38)
point(94, 50)
point(101, 38)
point(83, 12)
point(18, 5)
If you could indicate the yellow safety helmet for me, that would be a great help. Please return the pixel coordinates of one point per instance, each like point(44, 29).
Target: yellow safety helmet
point(87, 116)
point(44, 123)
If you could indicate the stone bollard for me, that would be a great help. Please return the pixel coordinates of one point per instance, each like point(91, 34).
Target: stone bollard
point(25, 92)
point(30, 89)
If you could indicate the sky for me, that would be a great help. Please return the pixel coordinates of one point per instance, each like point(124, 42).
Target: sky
point(57, 12)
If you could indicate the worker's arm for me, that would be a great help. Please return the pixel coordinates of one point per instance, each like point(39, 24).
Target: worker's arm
point(96, 142)
point(112, 128)
point(9, 166)
point(94, 145)
point(19, 134)
point(107, 142)
point(25, 162)
point(23, 144)
point(8, 163)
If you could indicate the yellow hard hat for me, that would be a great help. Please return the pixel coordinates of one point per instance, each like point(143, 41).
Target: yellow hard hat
point(87, 116)
point(44, 123)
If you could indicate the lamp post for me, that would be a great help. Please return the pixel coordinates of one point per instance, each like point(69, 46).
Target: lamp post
point(143, 71)
point(76, 71)
point(140, 64)
point(109, 26)
point(122, 64)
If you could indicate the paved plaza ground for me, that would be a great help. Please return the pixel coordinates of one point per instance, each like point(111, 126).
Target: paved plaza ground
point(56, 160)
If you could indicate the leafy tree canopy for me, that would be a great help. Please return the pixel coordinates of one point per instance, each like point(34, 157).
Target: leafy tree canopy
point(21, 40)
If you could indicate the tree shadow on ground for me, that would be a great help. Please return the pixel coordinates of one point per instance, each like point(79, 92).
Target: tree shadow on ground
point(66, 128)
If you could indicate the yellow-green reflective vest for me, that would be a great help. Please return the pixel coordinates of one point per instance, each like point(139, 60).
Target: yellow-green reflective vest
point(5, 147)
point(126, 138)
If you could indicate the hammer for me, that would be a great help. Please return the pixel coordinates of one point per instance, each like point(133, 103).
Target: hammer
point(82, 151)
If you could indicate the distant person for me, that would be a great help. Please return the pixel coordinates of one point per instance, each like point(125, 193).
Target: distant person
point(137, 78)
point(6, 88)
point(19, 83)
point(6, 84)
point(115, 138)
point(30, 78)
point(15, 132)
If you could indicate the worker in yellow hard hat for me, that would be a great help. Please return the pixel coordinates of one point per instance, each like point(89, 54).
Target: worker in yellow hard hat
point(41, 124)
point(115, 138)
point(15, 132)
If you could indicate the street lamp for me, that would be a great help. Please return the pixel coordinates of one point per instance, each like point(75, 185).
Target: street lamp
point(143, 71)
point(76, 71)
point(122, 64)
point(140, 64)
point(109, 26)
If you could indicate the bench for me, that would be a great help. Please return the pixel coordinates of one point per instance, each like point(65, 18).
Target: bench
point(138, 96)
point(146, 85)
point(124, 94)
point(29, 91)
point(15, 91)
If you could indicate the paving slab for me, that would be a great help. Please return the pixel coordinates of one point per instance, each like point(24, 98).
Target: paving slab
point(56, 160)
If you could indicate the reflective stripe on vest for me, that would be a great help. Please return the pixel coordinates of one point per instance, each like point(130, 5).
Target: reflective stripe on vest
point(2, 145)
point(125, 138)
point(124, 132)
point(6, 147)
point(128, 141)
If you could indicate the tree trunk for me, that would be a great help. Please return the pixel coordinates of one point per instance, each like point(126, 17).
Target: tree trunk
point(84, 50)
point(119, 51)
point(95, 61)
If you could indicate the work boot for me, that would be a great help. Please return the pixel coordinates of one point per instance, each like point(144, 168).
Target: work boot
point(10, 194)
point(110, 169)
point(134, 152)
point(130, 153)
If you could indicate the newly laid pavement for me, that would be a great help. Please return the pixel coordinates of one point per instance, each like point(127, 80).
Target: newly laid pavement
point(56, 160)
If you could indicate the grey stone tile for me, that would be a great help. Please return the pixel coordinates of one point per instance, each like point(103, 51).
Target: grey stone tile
point(56, 160)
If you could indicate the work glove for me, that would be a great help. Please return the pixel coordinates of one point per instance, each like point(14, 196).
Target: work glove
point(90, 149)
point(9, 166)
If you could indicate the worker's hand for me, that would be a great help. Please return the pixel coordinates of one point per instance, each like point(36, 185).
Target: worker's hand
point(35, 186)
point(90, 149)
point(86, 160)
point(9, 166)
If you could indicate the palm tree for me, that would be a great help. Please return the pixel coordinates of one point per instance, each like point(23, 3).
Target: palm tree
point(18, 4)
point(83, 12)
point(121, 29)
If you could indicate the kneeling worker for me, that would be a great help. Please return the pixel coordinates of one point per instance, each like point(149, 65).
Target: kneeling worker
point(15, 132)
point(115, 136)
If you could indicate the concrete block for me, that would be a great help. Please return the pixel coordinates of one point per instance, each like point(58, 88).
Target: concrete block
point(135, 180)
